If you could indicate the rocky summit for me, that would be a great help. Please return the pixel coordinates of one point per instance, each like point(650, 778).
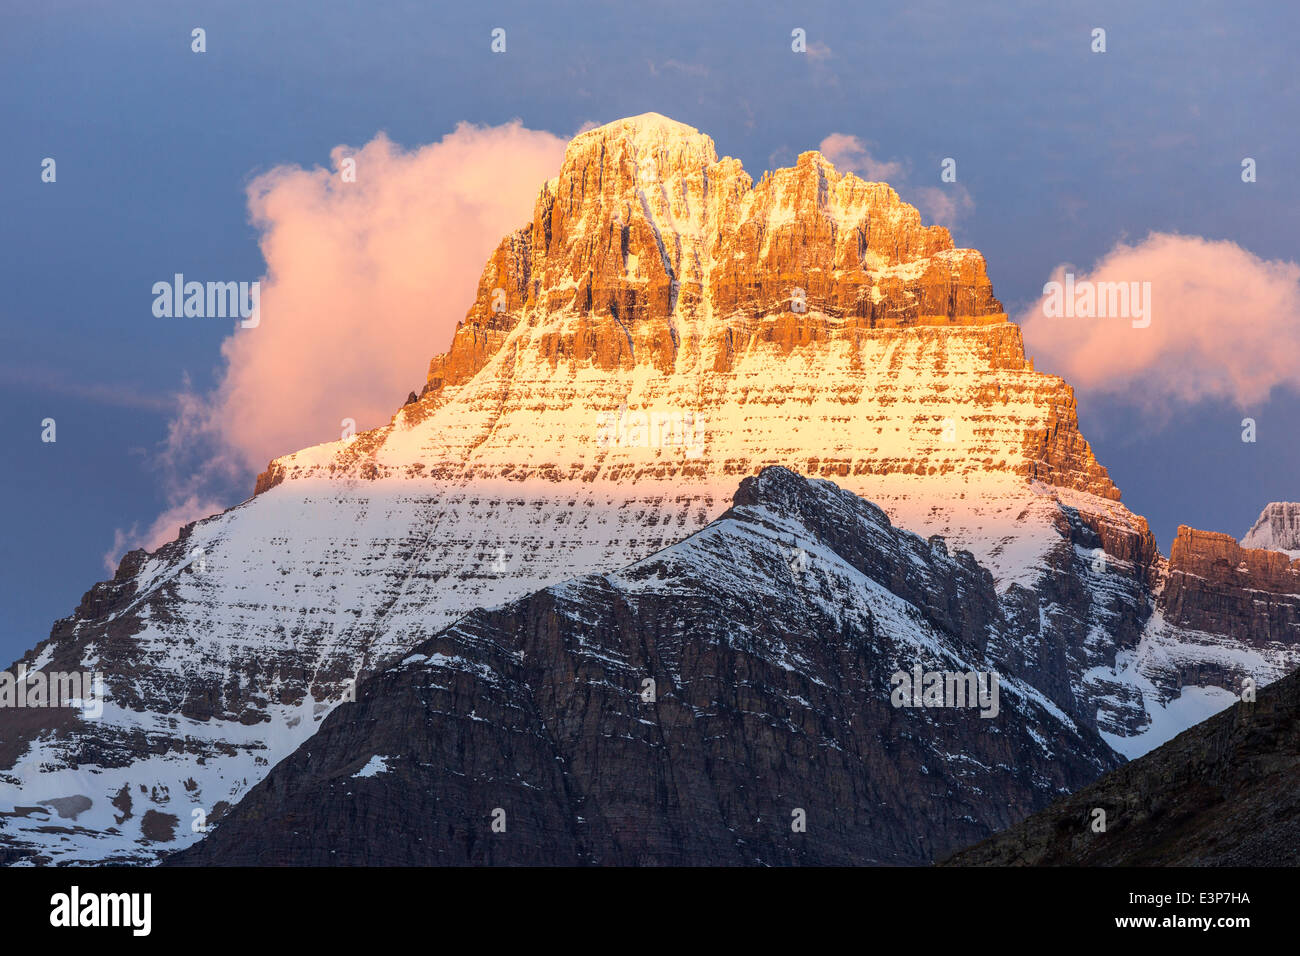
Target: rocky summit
point(661, 329)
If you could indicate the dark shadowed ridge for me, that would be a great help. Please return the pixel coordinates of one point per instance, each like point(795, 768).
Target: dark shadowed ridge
point(1224, 793)
point(771, 707)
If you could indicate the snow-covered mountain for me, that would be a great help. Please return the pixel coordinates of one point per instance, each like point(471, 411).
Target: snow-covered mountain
point(1278, 529)
point(727, 700)
point(661, 329)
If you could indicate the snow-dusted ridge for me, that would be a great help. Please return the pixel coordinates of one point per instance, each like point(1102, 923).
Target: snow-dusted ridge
point(768, 640)
point(1278, 529)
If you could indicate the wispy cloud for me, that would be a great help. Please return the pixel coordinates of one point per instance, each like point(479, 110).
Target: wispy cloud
point(697, 70)
point(117, 394)
point(852, 155)
point(945, 204)
point(819, 52)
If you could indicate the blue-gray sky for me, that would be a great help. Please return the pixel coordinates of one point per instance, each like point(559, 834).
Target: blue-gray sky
point(1065, 153)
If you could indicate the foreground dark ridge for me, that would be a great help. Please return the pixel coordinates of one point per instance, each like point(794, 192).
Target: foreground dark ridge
point(771, 636)
point(1224, 793)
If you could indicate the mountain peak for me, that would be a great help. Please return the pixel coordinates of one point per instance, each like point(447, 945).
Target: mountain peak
point(660, 287)
point(643, 123)
point(646, 249)
point(1277, 529)
point(649, 136)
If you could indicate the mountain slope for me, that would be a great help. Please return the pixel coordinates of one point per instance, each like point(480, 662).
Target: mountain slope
point(1221, 794)
point(772, 681)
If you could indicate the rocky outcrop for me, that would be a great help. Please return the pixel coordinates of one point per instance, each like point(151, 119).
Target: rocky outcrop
point(1220, 794)
point(1216, 615)
point(1278, 529)
point(1058, 454)
point(726, 701)
point(1214, 585)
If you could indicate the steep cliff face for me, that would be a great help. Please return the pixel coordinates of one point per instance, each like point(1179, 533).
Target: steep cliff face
point(1221, 794)
point(1215, 586)
point(724, 701)
point(655, 251)
point(663, 328)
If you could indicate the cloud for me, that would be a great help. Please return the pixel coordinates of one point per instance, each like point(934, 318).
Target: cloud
point(99, 393)
point(818, 51)
point(678, 66)
point(1225, 324)
point(365, 282)
point(945, 205)
point(851, 155)
point(161, 530)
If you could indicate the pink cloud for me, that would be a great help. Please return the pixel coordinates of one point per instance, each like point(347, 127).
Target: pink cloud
point(163, 529)
point(818, 51)
point(945, 205)
point(1224, 324)
point(99, 393)
point(365, 282)
point(849, 154)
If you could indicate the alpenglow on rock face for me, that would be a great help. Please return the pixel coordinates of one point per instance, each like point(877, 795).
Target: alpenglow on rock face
point(661, 329)
point(656, 278)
